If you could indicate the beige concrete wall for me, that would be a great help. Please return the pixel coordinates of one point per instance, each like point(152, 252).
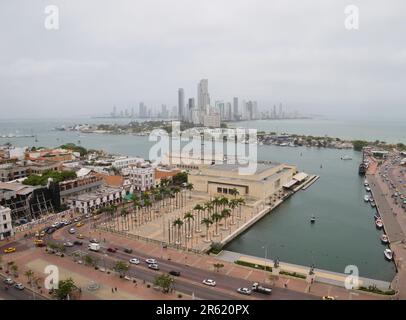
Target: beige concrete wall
point(247, 186)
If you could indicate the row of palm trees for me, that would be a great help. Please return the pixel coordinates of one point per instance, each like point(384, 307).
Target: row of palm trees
point(148, 205)
point(213, 212)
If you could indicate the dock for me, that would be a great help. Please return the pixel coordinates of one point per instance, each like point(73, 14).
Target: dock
point(310, 182)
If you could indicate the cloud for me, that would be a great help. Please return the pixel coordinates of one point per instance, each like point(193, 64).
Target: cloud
point(124, 52)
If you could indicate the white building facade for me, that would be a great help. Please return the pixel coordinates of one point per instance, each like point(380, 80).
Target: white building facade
point(141, 179)
point(6, 228)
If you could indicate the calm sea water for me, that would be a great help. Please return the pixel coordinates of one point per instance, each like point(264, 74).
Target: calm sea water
point(344, 232)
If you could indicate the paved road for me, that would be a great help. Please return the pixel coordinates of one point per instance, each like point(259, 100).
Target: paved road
point(15, 294)
point(190, 280)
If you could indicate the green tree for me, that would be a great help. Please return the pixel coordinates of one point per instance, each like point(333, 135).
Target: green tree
point(358, 145)
point(122, 268)
point(164, 281)
point(29, 274)
point(207, 222)
point(218, 266)
point(178, 223)
point(65, 289)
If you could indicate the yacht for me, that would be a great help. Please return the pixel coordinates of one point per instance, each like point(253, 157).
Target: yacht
point(366, 184)
point(379, 223)
point(368, 189)
point(346, 158)
point(366, 198)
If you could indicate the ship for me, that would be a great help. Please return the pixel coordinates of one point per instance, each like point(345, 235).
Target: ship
point(362, 169)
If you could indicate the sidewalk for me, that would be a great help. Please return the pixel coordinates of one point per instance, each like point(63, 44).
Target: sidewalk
point(231, 269)
point(83, 276)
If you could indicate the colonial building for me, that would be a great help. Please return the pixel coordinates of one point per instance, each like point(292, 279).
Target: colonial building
point(141, 178)
point(6, 228)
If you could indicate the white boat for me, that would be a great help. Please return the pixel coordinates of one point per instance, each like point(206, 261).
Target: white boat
point(379, 223)
point(384, 238)
point(368, 189)
point(366, 198)
point(366, 184)
point(313, 219)
point(373, 204)
point(346, 158)
point(388, 254)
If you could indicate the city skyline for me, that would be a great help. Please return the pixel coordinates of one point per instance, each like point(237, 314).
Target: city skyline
point(317, 66)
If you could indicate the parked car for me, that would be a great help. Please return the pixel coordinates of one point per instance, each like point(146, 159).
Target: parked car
point(79, 224)
point(174, 273)
point(19, 286)
point(209, 282)
point(80, 236)
point(153, 266)
point(94, 241)
point(328, 298)
point(68, 244)
point(112, 250)
point(134, 261)
point(8, 281)
point(77, 243)
point(51, 230)
point(72, 230)
point(127, 250)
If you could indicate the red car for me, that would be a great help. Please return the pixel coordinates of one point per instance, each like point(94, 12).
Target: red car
point(112, 250)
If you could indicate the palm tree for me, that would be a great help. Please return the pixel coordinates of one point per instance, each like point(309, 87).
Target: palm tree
point(207, 222)
point(29, 274)
point(216, 202)
point(176, 190)
point(233, 204)
point(124, 216)
point(189, 187)
point(14, 269)
point(240, 202)
point(189, 216)
point(216, 218)
point(199, 208)
point(209, 207)
point(234, 192)
point(225, 213)
point(178, 224)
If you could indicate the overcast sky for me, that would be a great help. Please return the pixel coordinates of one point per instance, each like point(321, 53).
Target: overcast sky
point(122, 52)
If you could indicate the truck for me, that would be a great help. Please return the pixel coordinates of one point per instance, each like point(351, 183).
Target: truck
point(256, 287)
point(94, 247)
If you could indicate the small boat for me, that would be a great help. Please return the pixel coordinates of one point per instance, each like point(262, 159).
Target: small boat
point(384, 238)
point(313, 219)
point(366, 198)
point(388, 254)
point(373, 204)
point(368, 189)
point(366, 184)
point(379, 223)
point(346, 158)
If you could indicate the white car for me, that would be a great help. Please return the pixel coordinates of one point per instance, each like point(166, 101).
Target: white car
point(245, 291)
point(209, 282)
point(134, 261)
point(8, 281)
point(153, 266)
point(19, 286)
point(72, 230)
point(68, 244)
point(150, 261)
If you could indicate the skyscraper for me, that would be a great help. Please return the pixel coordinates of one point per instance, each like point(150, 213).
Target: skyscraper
point(235, 108)
point(203, 97)
point(181, 104)
point(191, 107)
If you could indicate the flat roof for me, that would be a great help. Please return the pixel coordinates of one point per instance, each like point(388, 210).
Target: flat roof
point(260, 168)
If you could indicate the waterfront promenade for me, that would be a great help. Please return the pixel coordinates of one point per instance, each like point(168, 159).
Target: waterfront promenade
point(394, 224)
